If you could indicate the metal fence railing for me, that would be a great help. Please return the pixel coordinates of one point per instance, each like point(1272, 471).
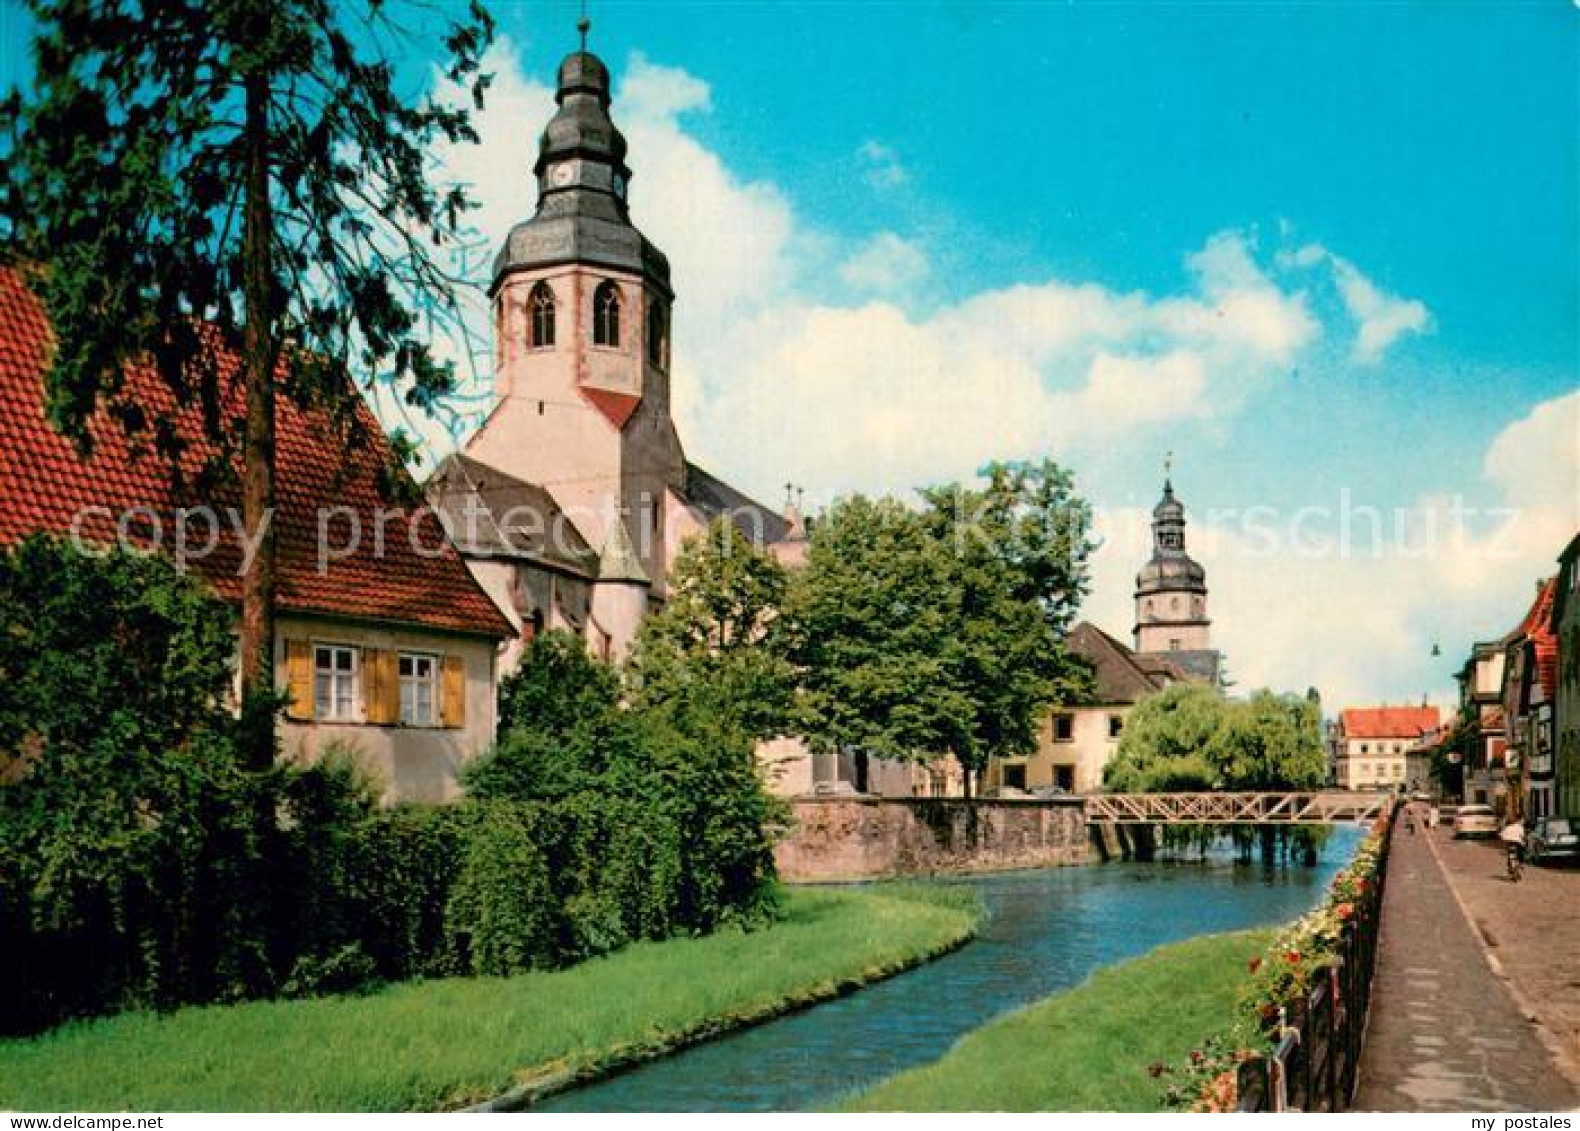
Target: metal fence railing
point(1314, 1065)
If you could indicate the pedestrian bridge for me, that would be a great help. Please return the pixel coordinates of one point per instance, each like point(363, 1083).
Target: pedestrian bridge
point(1328, 807)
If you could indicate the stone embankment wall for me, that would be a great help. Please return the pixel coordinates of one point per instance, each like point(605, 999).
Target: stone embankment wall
point(865, 838)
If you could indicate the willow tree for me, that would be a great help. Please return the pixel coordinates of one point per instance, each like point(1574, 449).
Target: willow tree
point(208, 180)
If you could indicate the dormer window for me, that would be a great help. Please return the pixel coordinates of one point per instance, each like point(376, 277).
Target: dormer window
point(606, 315)
point(541, 303)
point(657, 330)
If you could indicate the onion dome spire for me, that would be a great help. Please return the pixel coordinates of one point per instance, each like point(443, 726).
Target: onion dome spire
point(582, 178)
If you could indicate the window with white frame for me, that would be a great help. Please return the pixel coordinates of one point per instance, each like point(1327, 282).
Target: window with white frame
point(419, 689)
point(334, 682)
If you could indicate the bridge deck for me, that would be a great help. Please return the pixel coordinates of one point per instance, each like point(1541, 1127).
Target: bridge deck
point(1321, 808)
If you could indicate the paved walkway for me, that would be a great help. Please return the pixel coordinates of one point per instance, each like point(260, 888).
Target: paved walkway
point(1531, 931)
point(1445, 1032)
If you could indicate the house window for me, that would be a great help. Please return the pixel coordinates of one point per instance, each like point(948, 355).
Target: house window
point(1015, 777)
point(656, 332)
point(1116, 724)
point(1064, 728)
point(542, 305)
point(1174, 644)
point(606, 315)
point(334, 683)
point(419, 689)
point(1064, 778)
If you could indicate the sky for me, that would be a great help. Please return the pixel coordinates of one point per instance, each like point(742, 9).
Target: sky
point(1324, 254)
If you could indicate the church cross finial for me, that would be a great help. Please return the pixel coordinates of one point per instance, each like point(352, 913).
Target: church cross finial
point(584, 25)
point(1168, 465)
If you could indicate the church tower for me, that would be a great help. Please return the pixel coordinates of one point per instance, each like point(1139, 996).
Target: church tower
point(581, 307)
point(1171, 589)
point(571, 501)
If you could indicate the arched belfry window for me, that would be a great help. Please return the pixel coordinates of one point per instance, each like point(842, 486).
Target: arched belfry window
point(541, 303)
point(606, 315)
point(657, 329)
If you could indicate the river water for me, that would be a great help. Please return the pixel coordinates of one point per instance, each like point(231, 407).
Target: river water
point(1048, 930)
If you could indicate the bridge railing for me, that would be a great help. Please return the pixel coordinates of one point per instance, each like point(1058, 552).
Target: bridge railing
point(1313, 1066)
point(1243, 808)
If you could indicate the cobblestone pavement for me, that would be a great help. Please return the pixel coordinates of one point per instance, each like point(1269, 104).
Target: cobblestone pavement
point(1532, 931)
point(1446, 1033)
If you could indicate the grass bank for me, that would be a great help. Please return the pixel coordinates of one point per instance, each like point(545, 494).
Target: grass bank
point(1087, 1048)
point(445, 1043)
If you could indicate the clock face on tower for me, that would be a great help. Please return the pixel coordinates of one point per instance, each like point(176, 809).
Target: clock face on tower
point(563, 173)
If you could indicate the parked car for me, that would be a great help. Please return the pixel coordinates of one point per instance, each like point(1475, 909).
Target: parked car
point(1552, 838)
point(1475, 821)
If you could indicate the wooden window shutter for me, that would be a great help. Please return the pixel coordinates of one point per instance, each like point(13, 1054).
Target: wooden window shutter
point(452, 696)
point(380, 685)
point(299, 679)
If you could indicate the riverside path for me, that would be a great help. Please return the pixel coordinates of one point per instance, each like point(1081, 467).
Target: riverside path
point(1445, 1033)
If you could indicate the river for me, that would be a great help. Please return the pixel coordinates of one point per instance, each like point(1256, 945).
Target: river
point(1048, 930)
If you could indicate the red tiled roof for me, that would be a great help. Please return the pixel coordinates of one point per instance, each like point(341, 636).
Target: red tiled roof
point(1537, 627)
point(1389, 722)
point(45, 486)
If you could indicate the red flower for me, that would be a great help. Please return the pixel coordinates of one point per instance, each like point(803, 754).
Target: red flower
point(1345, 910)
point(1292, 956)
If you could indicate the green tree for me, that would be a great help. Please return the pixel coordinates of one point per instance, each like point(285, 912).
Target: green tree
point(1269, 742)
point(1166, 743)
point(560, 724)
point(717, 639)
point(1188, 738)
point(1017, 552)
point(118, 783)
point(215, 179)
point(872, 626)
point(1029, 517)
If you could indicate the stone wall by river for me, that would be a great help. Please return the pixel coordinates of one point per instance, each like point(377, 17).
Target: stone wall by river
point(842, 838)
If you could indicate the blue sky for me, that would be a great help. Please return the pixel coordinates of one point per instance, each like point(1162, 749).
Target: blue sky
point(1310, 249)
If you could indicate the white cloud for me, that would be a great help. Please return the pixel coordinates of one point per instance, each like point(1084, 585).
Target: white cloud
point(498, 170)
point(1381, 319)
point(729, 240)
point(882, 165)
point(1056, 365)
point(1536, 460)
point(1127, 392)
point(765, 354)
point(886, 264)
point(1351, 597)
point(661, 92)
